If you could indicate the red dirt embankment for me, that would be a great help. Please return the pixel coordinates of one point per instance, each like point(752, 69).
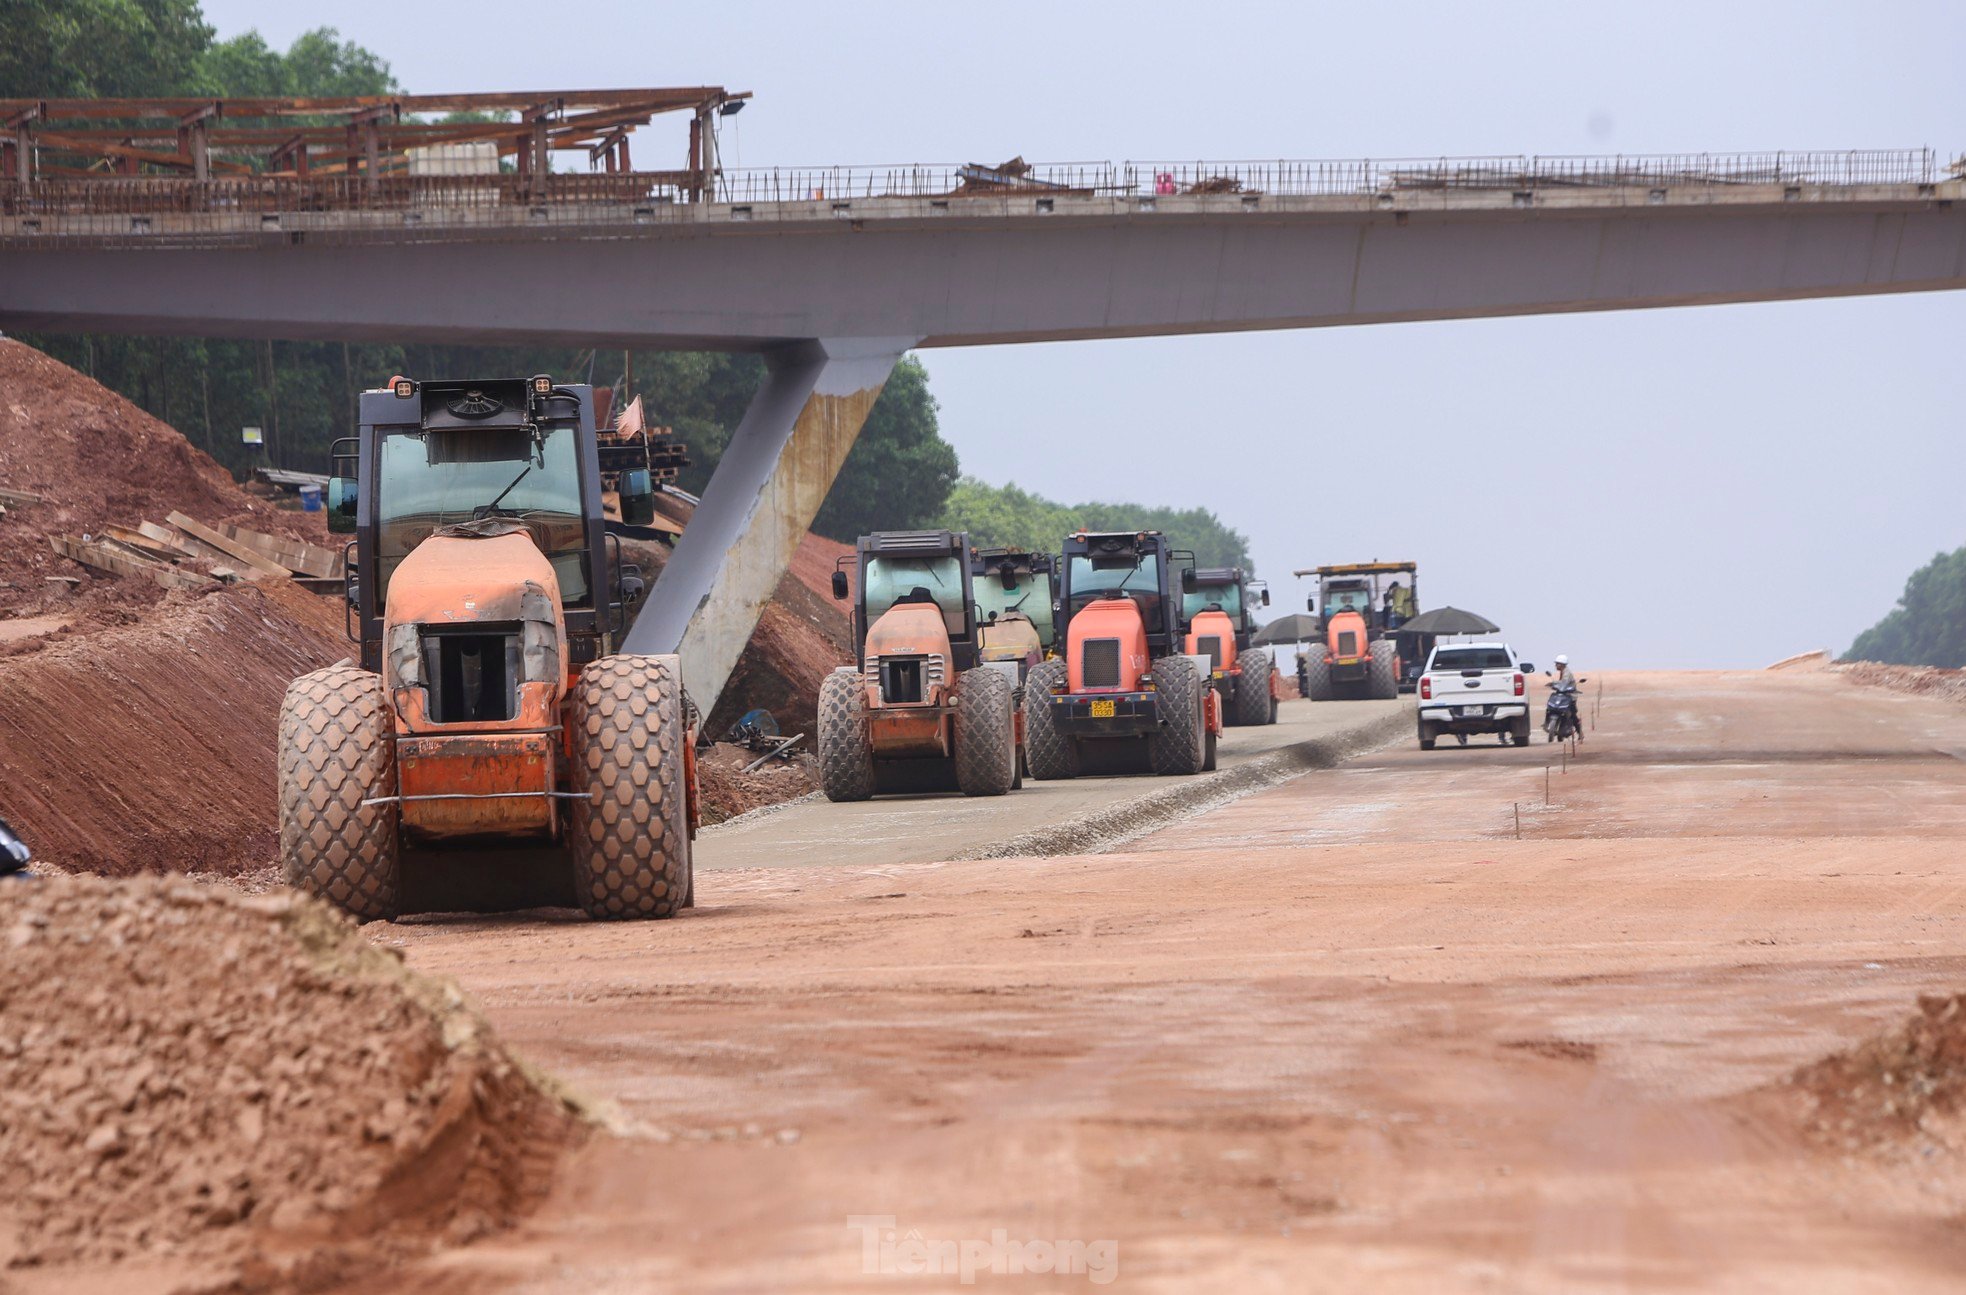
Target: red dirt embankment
point(802, 634)
point(245, 1087)
point(98, 460)
point(150, 747)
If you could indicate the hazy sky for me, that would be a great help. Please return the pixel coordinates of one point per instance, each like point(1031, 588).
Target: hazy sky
point(1711, 487)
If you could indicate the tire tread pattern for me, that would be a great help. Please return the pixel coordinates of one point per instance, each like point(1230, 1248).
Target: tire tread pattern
point(1383, 682)
point(986, 733)
point(1176, 748)
point(629, 835)
point(846, 747)
point(1049, 753)
point(337, 749)
point(1253, 704)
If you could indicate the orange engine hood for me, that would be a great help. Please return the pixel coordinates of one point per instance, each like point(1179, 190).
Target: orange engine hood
point(1341, 625)
point(456, 578)
point(1217, 625)
point(463, 580)
point(1107, 618)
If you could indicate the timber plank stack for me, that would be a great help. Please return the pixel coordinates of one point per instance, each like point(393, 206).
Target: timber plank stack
point(184, 553)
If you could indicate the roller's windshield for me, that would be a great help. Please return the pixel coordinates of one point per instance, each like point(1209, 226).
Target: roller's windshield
point(1032, 597)
point(892, 579)
point(1116, 578)
point(429, 480)
point(1228, 597)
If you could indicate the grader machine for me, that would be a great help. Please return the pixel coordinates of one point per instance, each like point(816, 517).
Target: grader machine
point(491, 749)
point(1216, 608)
point(1125, 689)
point(920, 710)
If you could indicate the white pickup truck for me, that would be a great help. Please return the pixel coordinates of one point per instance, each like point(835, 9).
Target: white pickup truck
point(1474, 688)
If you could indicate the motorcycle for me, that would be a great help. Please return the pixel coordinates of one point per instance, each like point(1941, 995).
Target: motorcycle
point(1560, 722)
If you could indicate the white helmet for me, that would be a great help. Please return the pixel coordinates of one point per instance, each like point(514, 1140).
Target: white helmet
point(1561, 659)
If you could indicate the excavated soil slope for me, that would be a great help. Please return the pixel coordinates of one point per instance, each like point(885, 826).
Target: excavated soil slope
point(98, 459)
point(802, 634)
point(150, 748)
point(218, 1082)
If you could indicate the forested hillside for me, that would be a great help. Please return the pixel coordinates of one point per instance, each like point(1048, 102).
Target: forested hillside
point(1928, 626)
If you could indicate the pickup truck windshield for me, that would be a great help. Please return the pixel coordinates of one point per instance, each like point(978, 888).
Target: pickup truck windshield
point(1471, 658)
point(429, 480)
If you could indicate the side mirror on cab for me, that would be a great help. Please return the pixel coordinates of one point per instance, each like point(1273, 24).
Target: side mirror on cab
point(633, 586)
point(839, 584)
point(637, 492)
point(341, 505)
point(1526, 668)
point(1188, 584)
point(1266, 597)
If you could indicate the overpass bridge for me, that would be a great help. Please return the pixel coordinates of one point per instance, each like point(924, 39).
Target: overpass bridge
point(833, 274)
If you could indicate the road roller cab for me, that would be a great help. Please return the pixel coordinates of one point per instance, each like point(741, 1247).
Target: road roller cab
point(1218, 610)
point(918, 710)
point(1364, 652)
point(1126, 694)
point(491, 749)
point(1014, 595)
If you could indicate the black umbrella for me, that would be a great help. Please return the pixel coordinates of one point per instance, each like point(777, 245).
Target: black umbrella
point(1294, 628)
point(1449, 620)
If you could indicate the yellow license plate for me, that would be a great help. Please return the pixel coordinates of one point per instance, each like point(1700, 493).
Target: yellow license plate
point(1102, 710)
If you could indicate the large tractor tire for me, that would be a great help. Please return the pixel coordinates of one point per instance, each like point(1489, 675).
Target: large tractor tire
point(846, 748)
point(1316, 682)
point(986, 733)
point(1253, 703)
point(1049, 753)
point(1179, 746)
point(1382, 684)
point(337, 750)
point(628, 833)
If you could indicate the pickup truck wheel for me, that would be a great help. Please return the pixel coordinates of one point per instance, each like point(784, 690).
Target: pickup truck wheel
point(1048, 753)
point(1426, 736)
point(1253, 704)
point(1176, 748)
point(1383, 681)
point(1521, 731)
point(986, 733)
point(846, 750)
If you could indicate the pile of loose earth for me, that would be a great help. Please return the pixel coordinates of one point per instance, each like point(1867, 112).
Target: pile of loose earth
point(213, 1079)
point(1895, 1084)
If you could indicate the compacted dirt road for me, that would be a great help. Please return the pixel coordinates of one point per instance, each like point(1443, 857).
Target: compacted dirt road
point(1349, 1033)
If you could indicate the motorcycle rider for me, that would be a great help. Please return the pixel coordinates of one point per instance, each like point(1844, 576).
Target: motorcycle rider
point(1566, 681)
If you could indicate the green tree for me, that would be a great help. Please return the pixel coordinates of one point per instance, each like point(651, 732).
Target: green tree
point(1928, 625)
point(61, 49)
point(1008, 515)
point(899, 473)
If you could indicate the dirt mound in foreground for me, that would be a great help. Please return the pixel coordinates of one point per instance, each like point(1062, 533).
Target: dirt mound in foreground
point(1887, 1086)
point(197, 1073)
point(150, 747)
